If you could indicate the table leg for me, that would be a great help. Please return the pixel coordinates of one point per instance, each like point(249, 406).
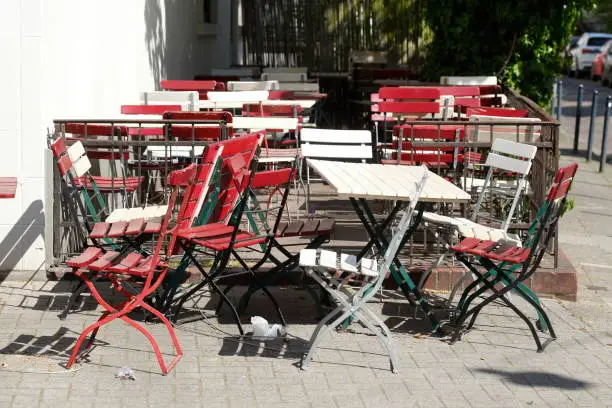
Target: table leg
point(399, 273)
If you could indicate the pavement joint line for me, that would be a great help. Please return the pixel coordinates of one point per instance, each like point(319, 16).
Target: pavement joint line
point(594, 265)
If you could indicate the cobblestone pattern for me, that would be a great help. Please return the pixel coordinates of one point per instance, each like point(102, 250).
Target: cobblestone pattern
point(494, 364)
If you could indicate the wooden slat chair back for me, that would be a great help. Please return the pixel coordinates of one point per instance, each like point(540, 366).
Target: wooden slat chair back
point(238, 153)
point(239, 96)
point(277, 128)
point(492, 96)
point(258, 109)
point(464, 97)
point(120, 152)
point(154, 110)
point(187, 99)
point(202, 87)
point(511, 158)
point(405, 151)
point(333, 144)
point(336, 144)
point(393, 105)
point(252, 86)
point(206, 131)
point(158, 110)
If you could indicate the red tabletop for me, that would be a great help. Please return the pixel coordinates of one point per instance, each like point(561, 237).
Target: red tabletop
point(8, 186)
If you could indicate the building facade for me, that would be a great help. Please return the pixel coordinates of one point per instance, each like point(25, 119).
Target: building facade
point(76, 58)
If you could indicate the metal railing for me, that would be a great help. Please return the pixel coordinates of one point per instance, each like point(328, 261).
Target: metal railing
point(133, 159)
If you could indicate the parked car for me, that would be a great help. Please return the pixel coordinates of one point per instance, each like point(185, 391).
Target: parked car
point(585, 50)
point(606, 74)
point(598, 62)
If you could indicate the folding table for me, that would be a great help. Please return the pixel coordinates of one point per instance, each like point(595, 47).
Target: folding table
point(362, 181)
point(8, 187)
point(209, 104)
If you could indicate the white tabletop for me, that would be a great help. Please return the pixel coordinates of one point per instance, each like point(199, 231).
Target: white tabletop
point(158, 151)
point(392, 182)
point(208, 104)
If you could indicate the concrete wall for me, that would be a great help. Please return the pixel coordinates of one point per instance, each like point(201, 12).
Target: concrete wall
point(75, 58)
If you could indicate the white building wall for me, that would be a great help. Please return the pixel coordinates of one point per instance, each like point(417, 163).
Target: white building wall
point(76, 58)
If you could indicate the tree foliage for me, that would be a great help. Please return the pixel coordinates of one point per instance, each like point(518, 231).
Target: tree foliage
point(522, 42)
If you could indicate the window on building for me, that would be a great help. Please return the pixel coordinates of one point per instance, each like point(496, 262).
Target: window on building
point(208, 11)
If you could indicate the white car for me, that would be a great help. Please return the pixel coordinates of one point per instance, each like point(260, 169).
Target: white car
point(585, 50)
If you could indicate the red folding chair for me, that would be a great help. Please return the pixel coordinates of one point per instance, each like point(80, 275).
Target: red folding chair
point(205, 131)
point(223, 233)
point(186, 85)
point(420, 144)
point(315, 231)
point(193, 182)
point(501, 112)
point(500, 264)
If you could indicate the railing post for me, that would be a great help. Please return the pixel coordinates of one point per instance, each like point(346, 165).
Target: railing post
point(578, 116)
point(604, 140)
point(592, 125)
point(559, 90)
point(554, 98)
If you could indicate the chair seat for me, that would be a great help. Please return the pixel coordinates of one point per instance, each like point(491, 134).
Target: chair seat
point(124, 228)
point(334, 261)
point(305, 228)
point(498, 251)
point(470, 229)
point(222, 242)
point(205, 231)
point(129, 214)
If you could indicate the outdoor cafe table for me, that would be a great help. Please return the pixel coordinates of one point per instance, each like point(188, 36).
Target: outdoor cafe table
point(208, 104)
point(360, 182)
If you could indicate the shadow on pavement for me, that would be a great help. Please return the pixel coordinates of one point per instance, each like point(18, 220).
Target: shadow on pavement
point(538, 379)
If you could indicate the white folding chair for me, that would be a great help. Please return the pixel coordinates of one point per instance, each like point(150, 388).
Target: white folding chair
point(352, 282)
point(505, 156)
point(334, 144)
point(187, 99)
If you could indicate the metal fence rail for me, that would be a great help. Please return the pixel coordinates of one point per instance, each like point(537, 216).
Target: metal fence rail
point(320, 34)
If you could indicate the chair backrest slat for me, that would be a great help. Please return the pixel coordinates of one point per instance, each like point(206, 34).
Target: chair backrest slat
point(76, 151)
point(265, 122)
point(81, 166)
point(337, 144)
point(252, 86)
point(509, 147)
point(508, 163)
point(187, 85)
point(335, 136)
point(185, 98)
point(239, 96)
point(148, 109)
point(336, 151)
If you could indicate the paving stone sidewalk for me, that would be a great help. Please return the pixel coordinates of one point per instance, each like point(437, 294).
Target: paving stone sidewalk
point(495, 364)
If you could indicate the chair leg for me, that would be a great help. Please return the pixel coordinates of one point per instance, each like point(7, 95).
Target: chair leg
point(199, 286)
point(173, 337)
point(78, 290)
point(426, 274)
point(384, 337)
point(323, 325)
